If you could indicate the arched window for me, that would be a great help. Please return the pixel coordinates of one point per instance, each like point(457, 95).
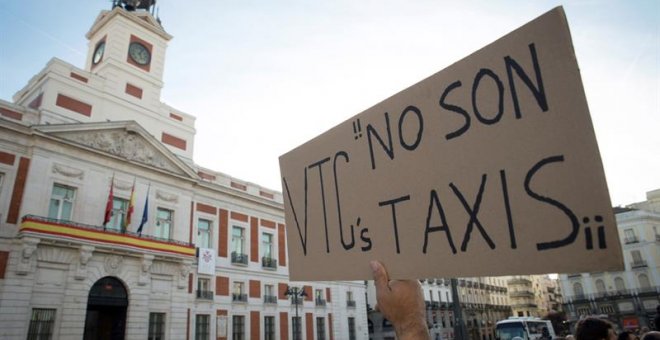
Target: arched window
point(619, 284)
point(600, 286)
point(577, 289)
point(643, 281)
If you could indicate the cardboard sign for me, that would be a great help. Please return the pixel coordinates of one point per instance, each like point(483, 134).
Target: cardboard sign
point(489, 167)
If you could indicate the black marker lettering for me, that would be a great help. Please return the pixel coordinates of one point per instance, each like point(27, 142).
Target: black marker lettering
point(365, 239)
point(473, 215)
point(500, 90)
point(303, 239)
point(435, 201)
point(455, 108)
point(325, 215)
point(538, 91)
point(419, 131)
point(393, 203)
point(351, 244)
point(371, 130)
point(507, 207)
point(575, 224)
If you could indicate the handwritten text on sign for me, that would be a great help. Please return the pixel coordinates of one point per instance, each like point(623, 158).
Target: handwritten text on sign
point(489, 167)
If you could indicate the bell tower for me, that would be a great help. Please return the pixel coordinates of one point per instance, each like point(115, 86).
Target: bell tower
point(127, 46)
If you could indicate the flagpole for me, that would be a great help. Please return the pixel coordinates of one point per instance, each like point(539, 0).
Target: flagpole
point(109, 203)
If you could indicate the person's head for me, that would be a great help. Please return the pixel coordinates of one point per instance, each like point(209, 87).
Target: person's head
point(653, 335)
point(625, 335)
point(594, 329)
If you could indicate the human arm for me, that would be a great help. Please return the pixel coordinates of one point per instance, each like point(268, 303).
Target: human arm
point(402, 303)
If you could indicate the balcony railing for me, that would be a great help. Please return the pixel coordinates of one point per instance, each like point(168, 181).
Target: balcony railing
point(268, 262)
point(271, 299)
point(521, 294)
point(350, 303)
point(638, 264)
point(239, 297)
point(320, 302)
point(205, 294)
point(630, 240)
point(238, 258)
point(519, 281)
point(69, 231)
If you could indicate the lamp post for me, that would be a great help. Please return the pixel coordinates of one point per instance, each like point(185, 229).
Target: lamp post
point(296, 292)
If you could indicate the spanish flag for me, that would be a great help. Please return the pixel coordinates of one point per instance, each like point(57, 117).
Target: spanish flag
point(108, 205)
point(131, 207)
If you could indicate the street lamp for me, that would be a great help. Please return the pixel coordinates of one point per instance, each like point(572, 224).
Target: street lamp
point(296, 293)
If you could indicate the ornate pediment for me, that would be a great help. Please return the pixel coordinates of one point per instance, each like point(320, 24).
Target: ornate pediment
point(126, 144)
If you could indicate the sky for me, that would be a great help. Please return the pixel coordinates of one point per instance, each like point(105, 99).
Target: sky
point(263, 77)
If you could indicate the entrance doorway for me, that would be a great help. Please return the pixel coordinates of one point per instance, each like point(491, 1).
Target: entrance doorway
point(106, 310)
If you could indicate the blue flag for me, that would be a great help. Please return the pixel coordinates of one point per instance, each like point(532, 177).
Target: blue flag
point(145, 213)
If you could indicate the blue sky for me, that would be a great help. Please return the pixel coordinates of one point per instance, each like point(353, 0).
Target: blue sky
point(263, 77)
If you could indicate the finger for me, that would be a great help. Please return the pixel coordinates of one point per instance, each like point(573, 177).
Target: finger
point(381, 279)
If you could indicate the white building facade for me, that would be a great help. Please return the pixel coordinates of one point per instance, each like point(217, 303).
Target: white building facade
point(185, 253)
point(628, 298)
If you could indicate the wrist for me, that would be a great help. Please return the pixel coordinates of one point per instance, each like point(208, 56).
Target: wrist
point(414, 329)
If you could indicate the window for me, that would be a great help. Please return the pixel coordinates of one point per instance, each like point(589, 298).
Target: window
point(61, 201)
point(203, 289)
point(349, 299)
point(238, 327)
point(619, 284)
point(269, 328)
point(643, 281)
point(41, 324)
point(238, 240)
point(119, 210)
point(238, 293)
point(267, 244)
point(202, 331)
point(295, 327)
point(607, 309)
point(320, 328)
point(442, 319)
point(431, 294)
point(351, 328)
point(318, 294)
point(630, 236)
point(577, 289)
point(269, 294)
point(600, 286)
point(163, 223)
point(156, 326)
point(203, 233)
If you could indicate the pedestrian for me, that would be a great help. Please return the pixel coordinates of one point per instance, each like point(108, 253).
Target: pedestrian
point(626, 335)
point(594, 329)
point(652, 335)
point(657, 318)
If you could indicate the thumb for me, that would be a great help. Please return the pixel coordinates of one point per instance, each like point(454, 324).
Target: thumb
point(381, 279)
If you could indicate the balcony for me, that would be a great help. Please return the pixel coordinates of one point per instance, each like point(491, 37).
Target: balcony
point(239, 297)
point(524, 305)
point(638, 264)
point(268, 263)
point(320, 302)
point(270, 299)
point(631, 240)
point(350, 303)
point(522, 293)
point(238, 258)
point(205, 295)
point(519, 281)
point(68, 233)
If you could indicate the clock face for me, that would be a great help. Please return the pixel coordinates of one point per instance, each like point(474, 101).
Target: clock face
point(139, 53)
point(98, 52)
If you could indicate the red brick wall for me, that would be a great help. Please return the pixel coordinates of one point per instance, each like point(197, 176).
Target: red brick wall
point(7, 158)
point(238, 186)
point(330, 325)
point(11, 114)
point(19, 188)
point(255, 288)
point(281, 289)
point(173, 141)
point(310, 325)
point(266, 194)
point(190, 228)
point(36, 102)
point(206, 176)
point(281, 240)
point(223, 233)
point(4, 259)
point(267, 224)
point(255, 332)
point(149, 47)
point(254, 239)
point(133, 91)
point(188, 325)
point(190, 283)
point(222, 285)
point(78, 77)
point(205, 208)
point(309, 293)
point(328, 296)
point(239, 217)
point(175, 116)
point(284, 326)
point(73, 105)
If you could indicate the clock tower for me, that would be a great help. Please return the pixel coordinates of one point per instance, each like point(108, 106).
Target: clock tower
point(127, 47)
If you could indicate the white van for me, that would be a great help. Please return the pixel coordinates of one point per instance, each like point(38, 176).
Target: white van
point(524, 328)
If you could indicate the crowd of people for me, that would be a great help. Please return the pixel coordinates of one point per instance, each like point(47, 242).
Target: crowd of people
point(402, 303)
